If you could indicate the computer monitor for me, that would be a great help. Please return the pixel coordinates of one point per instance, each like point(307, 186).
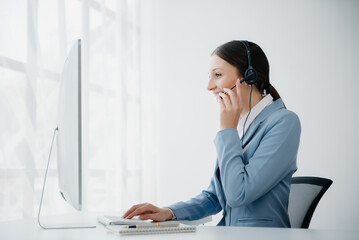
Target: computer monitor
point(69, 141)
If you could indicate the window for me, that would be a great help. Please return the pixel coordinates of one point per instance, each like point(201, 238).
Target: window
point(119, 104)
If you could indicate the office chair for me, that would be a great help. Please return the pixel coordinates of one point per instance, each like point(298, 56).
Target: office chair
point(305, 194)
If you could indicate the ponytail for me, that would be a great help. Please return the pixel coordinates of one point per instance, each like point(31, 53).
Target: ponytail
point(272, 91)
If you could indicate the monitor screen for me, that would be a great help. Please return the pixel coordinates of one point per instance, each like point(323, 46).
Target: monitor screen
point(69, 144)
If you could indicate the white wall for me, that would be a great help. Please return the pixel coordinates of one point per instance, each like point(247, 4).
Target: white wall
point(313, 50)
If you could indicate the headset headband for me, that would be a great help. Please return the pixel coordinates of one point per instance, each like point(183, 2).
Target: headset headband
point(250, 75)
point(245, 43)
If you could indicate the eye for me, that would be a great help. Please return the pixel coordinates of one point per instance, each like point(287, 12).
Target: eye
point(218, 75)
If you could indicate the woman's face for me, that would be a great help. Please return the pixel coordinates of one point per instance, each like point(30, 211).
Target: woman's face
point(221, 75)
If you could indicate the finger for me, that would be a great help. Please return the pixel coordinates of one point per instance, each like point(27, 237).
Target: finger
point(143, 210)
point(133, 208)
point(137, 212)
point(226, 100)
point(232, 96)
point(237, 83)
point(221, 103)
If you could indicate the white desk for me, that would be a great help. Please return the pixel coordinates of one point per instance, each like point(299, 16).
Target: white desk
point(28, 229)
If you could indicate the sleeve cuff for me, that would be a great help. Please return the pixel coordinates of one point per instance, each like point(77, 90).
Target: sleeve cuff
point(173, 215)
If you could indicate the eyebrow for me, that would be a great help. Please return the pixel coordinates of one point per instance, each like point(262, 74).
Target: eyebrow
point(215, 69)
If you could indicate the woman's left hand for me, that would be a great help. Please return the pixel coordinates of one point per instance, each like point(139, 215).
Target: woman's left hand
point(229, 107)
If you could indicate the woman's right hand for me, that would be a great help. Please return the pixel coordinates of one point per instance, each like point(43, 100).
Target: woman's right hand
point(148, 211)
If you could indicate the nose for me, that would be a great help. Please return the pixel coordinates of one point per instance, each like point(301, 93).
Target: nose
point(211, 84)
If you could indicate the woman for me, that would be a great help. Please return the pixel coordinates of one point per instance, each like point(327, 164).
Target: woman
point(255, 163)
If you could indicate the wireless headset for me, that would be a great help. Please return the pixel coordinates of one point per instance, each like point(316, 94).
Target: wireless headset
point(250, 74)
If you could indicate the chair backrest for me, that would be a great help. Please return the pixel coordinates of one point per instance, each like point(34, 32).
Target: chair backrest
point(305, 194)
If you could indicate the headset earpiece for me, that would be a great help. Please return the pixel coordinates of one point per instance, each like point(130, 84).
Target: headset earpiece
point(250, 76)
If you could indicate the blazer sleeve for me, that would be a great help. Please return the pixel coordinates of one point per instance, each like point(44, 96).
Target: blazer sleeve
point(203, 205)
point(274, 158)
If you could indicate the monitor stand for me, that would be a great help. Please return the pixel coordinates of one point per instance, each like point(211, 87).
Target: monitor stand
point(63, 225)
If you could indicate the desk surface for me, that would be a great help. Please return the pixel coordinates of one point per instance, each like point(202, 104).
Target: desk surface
point(29, 229)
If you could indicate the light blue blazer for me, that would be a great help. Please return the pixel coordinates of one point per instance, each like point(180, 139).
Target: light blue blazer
point(251, 184)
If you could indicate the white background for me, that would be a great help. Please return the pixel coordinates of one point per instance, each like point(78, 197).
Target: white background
point(312, 47)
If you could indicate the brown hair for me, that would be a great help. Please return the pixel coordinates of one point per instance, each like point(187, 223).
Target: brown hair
point(235, 53)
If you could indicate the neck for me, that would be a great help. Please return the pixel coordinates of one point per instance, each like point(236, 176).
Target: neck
point(256, 98)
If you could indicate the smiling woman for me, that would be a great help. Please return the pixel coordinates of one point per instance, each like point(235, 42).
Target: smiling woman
point(254, 166)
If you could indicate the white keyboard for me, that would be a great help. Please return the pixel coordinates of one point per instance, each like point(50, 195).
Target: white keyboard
point(116, 220)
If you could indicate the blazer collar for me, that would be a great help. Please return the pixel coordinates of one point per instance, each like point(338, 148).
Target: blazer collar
point(264, 114)
point(276, 105)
